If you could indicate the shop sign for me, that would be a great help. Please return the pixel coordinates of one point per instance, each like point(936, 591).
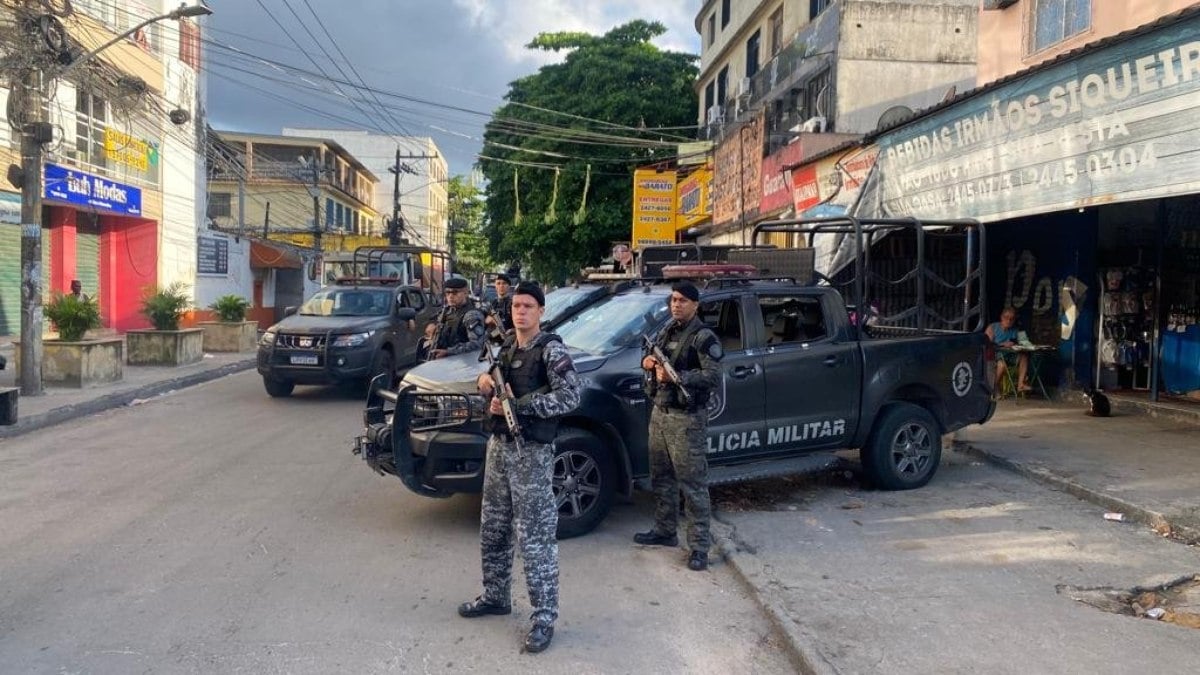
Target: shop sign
point(695, 203)
point(653, 207)
point(212, 255)
point(737, 174)
point(121, 148)
point(805, 190)
point(776, 180)
point(84, 189)
point(1117, 124)
point(10, 208)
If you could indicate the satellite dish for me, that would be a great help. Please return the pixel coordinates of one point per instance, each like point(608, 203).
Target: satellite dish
point(893, 115)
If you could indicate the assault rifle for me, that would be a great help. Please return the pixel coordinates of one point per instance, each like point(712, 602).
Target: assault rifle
point(435, 344)
point(672, 374)
point(500, 391)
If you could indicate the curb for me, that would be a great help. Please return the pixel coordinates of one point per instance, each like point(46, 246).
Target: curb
point(801, 648)
point(1169, 412)
point(1186, 533)
point(119, 399)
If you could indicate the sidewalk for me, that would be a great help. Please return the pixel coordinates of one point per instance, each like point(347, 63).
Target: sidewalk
point(58, 405)
point(969, 573)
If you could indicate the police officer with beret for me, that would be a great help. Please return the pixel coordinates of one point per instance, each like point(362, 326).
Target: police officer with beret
point(518, 495)
point(679, 425)
point(502, 305)
point(461, 327)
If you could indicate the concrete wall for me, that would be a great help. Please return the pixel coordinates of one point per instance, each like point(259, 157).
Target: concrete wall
point(181, 168)
point(901, 53)
point(1004, 44)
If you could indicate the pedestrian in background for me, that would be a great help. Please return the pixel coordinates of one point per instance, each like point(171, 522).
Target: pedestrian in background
point(679, 425)
point(518, 494)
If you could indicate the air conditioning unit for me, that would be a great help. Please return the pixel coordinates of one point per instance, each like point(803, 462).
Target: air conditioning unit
point(715, 115)
point(998, 4)
point(743, 87)
point(813, 125)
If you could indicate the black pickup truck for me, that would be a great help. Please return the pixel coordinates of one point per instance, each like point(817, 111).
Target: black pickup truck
point(800, 381)
point(346, 333)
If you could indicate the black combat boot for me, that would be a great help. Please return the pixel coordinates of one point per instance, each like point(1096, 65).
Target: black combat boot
point(698, 561)
point(653, 538)
point(481, 607)
point(538, 638)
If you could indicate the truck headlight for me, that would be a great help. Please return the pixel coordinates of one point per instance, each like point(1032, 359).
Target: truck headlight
point(353, 339)
point(267, 339)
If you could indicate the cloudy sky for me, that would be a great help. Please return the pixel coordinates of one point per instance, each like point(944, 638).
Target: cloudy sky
point(459, 53)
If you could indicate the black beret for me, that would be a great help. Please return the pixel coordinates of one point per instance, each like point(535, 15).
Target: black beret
point(504, 277)
point(687, 290)
point(531, 289)
point(455, 283)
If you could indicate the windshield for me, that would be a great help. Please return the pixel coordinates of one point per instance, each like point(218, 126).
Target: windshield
point(560, 300)
point(615, 323)
point(348, 302)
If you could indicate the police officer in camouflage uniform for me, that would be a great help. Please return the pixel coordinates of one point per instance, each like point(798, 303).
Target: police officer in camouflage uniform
point(518, 497)
point(678, 428)
point(461, 327)
point(502, 305)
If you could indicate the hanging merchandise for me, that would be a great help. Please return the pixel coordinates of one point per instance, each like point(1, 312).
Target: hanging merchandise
point(550, 213)
point(1126, 326)
point(587, 182)
point(516, 200)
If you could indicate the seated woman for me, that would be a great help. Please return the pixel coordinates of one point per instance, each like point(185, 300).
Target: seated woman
point(1003, 335)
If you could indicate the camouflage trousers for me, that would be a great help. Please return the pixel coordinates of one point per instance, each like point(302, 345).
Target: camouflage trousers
point(678, 464)
point(518, 500)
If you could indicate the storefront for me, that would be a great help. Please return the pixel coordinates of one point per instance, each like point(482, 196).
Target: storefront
point(1087, 171)
point(96, 233)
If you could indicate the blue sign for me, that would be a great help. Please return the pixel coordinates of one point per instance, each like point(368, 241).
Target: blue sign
point(85, 189)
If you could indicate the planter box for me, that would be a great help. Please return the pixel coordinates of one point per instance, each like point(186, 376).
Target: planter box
point(220, 336)
point(87, 363)
point(165, 347)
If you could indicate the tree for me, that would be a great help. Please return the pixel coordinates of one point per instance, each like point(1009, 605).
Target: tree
point(466, 215)
point(587, 121)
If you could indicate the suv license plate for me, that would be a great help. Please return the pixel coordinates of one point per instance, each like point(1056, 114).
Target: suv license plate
point(304, 360)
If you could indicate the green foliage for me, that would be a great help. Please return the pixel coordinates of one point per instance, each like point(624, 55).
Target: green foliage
point(73, 316)
point(466, 213)
point(620, 78)
point(230, 308)
point(165, 306)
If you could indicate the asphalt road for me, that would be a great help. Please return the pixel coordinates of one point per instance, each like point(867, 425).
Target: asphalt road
point(217, 530)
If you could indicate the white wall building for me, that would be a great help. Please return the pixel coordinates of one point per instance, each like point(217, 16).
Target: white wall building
point(423, 199)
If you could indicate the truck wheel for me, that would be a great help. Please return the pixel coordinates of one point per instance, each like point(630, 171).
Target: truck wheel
point(278, 388)
point(585, 480)
point(904, 449)
point(384, 363)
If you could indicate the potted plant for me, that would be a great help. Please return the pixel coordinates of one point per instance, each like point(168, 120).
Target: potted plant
point(230, 332)
point(166, 344)
point(71, 360)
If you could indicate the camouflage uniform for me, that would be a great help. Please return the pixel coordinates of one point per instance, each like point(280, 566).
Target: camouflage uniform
point(678, 433)
point(503, 308)
point(461, 329)
point(517, 487)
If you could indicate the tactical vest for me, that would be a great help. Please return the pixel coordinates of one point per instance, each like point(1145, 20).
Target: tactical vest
point(453, 330)
point(680, 348)
point(525, 372)
point(503, 308)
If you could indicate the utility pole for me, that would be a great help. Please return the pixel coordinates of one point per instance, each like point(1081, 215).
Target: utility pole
point(267, 221)
point(34, 133)
point(396, 227)
point(315, 191)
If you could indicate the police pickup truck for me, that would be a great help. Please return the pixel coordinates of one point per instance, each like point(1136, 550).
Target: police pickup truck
point(800, 381)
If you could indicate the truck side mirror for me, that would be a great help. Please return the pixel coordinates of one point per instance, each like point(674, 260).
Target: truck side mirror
point(406, 314)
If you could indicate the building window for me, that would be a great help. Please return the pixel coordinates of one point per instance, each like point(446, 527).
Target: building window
point(709, 93)
point(752, 53)
point(220, 205)
point(189, 43)
point(776, 25)
point(712, 29)
point(329, 220)
point(815, 7)
point(817, 95)
point(724, 13)
point(723, 85)
point(1057, 20)
point(91, 118)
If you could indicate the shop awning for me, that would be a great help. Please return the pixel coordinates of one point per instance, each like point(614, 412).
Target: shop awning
point(268, 256)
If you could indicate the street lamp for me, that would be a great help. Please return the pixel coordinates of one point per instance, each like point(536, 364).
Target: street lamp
point(34, 134)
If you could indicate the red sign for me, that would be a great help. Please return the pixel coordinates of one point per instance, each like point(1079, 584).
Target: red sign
point(805, 190)
point(776, 185)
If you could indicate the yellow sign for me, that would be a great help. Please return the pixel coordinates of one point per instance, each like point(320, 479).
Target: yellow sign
point(124, 149)
point(694, 198)
point(653, 207)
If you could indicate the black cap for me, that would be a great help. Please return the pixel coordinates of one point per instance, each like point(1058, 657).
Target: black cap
point(455, 283)
point(687, 290)
point(504, 277)
point(531, 289)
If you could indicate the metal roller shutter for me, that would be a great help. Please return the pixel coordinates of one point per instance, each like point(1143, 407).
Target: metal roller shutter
point(87, 261)
point(10, 279)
